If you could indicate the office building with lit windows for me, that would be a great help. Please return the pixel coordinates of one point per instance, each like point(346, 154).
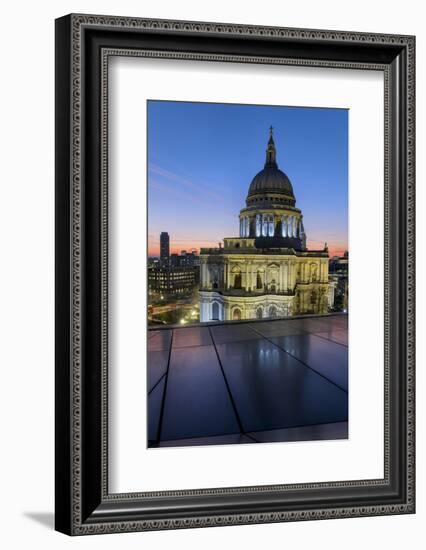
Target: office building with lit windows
point(164, 248)
point(171, 281)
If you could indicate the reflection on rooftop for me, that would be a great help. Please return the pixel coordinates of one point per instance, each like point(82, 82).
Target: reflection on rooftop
point(248, 382)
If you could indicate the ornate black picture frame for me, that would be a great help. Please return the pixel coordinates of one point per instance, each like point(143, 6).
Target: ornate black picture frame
point(83, 45)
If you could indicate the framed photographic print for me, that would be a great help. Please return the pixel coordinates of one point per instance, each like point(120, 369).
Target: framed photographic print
point(234, 274)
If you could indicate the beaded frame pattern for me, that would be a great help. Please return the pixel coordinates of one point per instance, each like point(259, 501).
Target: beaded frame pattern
point(78, 23)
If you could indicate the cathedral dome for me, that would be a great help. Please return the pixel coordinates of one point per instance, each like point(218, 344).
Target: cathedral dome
point(271, 179)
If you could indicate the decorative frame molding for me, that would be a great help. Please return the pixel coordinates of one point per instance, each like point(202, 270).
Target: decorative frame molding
point(84, 43)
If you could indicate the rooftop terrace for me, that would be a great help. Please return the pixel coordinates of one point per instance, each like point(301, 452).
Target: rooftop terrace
point(248, 382)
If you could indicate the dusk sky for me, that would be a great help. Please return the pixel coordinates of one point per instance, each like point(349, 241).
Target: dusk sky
point(202, 158)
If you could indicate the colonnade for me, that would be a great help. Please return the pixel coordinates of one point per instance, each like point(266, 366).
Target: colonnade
point(265, 224)
point(284, 273)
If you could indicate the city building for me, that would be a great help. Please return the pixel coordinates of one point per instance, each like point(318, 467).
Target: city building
point(164, 248)
point(172, 275)
point(339, 277)
point(267, 271)
point(171, 281)
point(185, 259)
point(153, 261)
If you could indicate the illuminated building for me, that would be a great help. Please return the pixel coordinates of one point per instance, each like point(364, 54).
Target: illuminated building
point(339, 275)
point(267, 271)
point(171, 281)
point(164, 248)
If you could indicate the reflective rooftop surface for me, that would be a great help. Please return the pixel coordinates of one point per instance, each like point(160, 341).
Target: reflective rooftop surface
point(248, 382)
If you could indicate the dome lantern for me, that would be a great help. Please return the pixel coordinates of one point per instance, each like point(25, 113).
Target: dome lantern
point(271, 153)
point(271, 179)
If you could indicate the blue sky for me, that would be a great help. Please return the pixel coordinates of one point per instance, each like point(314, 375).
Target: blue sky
point(203, 156)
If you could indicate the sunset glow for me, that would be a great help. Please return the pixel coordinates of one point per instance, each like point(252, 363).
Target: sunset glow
point(202, 158)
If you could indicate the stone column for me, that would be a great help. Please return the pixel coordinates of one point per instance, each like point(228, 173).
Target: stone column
point(228, 278)
point(253, 277)
point(284, 275)
point(325, 271)
point(204, 275)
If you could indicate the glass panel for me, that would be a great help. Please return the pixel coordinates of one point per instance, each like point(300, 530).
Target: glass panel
point(271, 226)
point(258, 225)
point(284, 226)
point(215, 311)
point(265, 225)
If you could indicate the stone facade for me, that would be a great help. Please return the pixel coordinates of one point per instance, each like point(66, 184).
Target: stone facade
point(266, 272)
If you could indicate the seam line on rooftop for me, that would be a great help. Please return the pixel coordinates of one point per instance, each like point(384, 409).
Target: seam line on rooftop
point(156, 384)
point(329, 339)
point(163, 401)
point(234, 406)
point(302, 362)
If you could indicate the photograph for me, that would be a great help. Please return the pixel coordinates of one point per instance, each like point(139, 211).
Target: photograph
point(248, 273)
point(218, 362)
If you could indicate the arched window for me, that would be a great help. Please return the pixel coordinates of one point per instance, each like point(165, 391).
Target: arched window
point(259, 313)
point(272, 312)
point(271, 225)
point(259, 284)
point(236, 314)
point(258, 225)
point(215, 311)
point(265, 225)
point(284, 227)
point(237, 280)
